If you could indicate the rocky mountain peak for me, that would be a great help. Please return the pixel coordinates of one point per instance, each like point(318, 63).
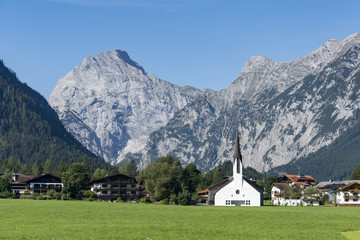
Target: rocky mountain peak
point(282, 109)
point(111, 105)
point(116, 54)
point(257, 62)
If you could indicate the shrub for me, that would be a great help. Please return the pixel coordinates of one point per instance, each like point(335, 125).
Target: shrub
point(324, 199)
point(88, 194)
point(144, 200)
point(50, 194)
point(57, 196)
point(4, 194)
point(184, 198)
point(166, 201)
point(172, 199)
point(15, 195)
point(35, 196)
point(65, 196)
point(26, 192)
point(119, 200)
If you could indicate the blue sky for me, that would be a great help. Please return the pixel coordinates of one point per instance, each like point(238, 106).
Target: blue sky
point(201, 43)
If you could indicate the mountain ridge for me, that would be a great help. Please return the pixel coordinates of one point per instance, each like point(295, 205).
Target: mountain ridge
point(200, 129)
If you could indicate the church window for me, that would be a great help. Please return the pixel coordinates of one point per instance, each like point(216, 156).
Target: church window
point(238, 191)
point(247, 202)
point(227, 202)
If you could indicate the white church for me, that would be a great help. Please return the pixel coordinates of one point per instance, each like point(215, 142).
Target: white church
point(236, 190)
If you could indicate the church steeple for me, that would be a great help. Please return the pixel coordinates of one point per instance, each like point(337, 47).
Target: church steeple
point(237, 154)
point(237, 162)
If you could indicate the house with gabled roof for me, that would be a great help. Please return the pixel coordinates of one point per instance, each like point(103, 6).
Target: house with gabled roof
point(297, 182)
point(18, 183)
point(306, 180)
point(279, 195)
point(44, 183)
point(207, 196)
point(111, 188)
point(330, 187)
point(348, 195)
point(35, 184)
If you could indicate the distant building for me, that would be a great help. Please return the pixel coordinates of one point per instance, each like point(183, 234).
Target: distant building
point(121, 186)
point(236, 190)
point(18, 183)
point(44, 183)
point(279, 196)
point(348, 195)
point(35, 184)
point(330, 187)
point(207, 196)
point(305, 180)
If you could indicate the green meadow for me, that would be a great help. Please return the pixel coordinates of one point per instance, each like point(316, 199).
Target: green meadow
point(30, 219)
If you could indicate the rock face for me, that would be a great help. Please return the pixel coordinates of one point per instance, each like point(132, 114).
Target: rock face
point(283, 110)
point(111, 104)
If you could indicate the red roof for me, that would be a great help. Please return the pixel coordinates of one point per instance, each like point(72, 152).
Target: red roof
point(282, 186)
point(203, 191)
point(297, 178)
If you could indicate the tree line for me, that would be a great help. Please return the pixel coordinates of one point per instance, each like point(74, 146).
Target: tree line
point(166, 180)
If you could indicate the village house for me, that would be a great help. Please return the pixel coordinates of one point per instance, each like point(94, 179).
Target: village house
point(305, 180)
point(330, 187)
point(348, 195)
point(18, 183)
point(43, 183)
point(110, 188)
point(233, 191)
point(35, 184)
point(279, 196)
point(207, 196)
point(290, 191)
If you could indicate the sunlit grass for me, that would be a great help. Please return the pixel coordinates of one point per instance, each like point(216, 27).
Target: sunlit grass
point(29, 219)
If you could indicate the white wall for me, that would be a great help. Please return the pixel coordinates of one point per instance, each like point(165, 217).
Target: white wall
point(246, 193)
point(341, 200)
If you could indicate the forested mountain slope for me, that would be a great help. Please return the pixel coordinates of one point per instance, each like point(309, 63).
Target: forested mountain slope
point(30, 129)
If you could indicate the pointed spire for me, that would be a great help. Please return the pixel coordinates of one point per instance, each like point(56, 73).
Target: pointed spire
point(237, 154)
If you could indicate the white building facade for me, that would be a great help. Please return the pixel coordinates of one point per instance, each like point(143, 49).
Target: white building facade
point(239, 191)
point(348, 195)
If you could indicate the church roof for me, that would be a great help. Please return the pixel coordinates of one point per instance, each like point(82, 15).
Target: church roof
point(254, 185)
point(222, 183)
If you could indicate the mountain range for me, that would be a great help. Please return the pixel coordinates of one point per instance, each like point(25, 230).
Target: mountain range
point(284, 111)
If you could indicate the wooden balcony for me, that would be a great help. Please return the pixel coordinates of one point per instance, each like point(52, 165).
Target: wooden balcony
point(116, 188)
point(351, 196)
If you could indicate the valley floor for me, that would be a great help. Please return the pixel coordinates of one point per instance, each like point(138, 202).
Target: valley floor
point(51, 219)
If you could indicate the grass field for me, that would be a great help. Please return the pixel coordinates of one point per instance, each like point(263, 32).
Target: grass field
point(30, 219)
